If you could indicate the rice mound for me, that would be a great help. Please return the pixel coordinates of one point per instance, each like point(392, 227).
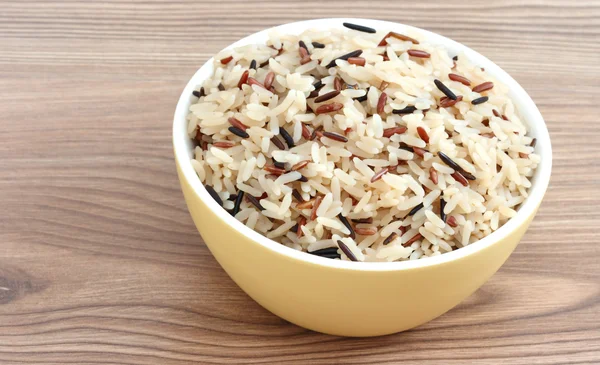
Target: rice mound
point(363, 178)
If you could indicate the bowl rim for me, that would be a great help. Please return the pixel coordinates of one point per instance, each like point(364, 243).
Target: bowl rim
point(522, 101)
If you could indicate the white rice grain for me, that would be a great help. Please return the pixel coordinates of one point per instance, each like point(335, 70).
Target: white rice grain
point(341, 171)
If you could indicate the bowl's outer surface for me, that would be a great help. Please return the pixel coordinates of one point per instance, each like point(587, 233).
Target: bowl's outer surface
point(345, 302)
point(348, 300)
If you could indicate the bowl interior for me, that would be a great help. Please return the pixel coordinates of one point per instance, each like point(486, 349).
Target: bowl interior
point(526, 107)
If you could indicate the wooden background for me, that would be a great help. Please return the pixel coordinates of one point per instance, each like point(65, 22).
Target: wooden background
point(100, 262)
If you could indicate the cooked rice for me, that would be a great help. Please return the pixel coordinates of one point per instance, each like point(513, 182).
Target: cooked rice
point(485, 139)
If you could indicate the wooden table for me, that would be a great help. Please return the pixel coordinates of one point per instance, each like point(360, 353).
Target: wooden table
point(100, 262)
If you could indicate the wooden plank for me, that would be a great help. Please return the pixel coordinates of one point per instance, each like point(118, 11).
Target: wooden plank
point(100, 262)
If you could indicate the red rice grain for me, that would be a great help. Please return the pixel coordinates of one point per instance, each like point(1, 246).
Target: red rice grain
point(460, 178)
point(366, 231)
point(253, 81)
point(300, 165)
point(452, 221)
point(388, 132)
point(418, 53)
point(399, 36)
point(327, 96)
point(274, 170)
point(338, 84)
point(224, 144)
point(313, 213)
point(335, 136)
point(359, 61)
point(415, 238)
point(488, 85)
point(269, 80)
point(328, 108)
point(446, 102)
point(301, 222)
point(423, 134)
point(305, 132)
point(226, 60)
point(381, 103)
point(433, 175)
point(236, 123)
point(379, 174)
point(243, 79)
point(458, 78)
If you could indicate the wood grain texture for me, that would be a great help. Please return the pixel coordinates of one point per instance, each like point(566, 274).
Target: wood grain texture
point(100, 262)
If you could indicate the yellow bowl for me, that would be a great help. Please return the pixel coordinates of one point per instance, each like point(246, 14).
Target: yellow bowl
point(349, 298)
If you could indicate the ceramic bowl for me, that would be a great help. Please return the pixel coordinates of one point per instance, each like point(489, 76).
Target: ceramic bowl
point(354, 298)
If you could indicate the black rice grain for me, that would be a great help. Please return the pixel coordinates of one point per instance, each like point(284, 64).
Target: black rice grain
point(317, 132)
point(442, 206)
point(254, 202)
point(347, 224)
point(277, 142)
point(332, 256)
point(221, 87)
point(327, 250)
point(279, 165)
point(443, 88)
point(238, 132)
point(253, 65)
point(408, 110)
point(360, 99)
point(335, 136)
point(238, 202)
point(363, 220)
point(327, 96)
point(303, 178)
point(318, 45)
point(200, 93)
point(214, 194)
point(324, 251)
point(533, 142)
point(404, 146)
point(313, 94)
point(286, 136)
point(467, 175)
point(360, 28)
point(330, 252)
point(414, 210)
point(296, 194)
point(318, 86)
point(390, 238)
point(448, 161)
point(345, 57)
point(480, 100)
point(301, 44)
point(346, 251)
